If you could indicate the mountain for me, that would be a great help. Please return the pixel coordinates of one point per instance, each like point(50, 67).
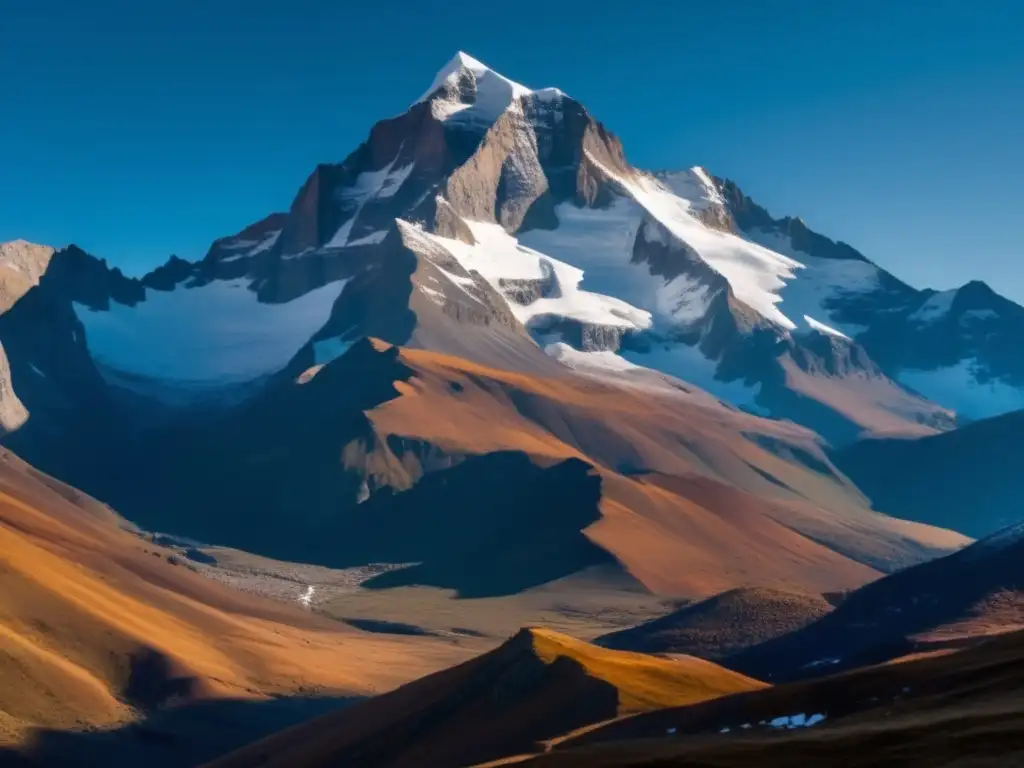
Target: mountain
point(722, 625)
point(535, 688)
point(936, 479)
point(502, 227)
point(492, 222)
point(976, 592)
point(527, 479)
point(100, 628)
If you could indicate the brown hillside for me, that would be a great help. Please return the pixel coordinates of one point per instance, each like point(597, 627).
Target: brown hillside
point(962, 709)
point(98, 627)
point(538, 686)
point(677, 477)
point(723, 624)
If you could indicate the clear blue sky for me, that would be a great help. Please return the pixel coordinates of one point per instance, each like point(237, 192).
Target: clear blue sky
point(138, 129)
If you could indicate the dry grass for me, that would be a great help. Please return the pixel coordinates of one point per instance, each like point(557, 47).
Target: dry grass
point(97, 625)
point(537, 687)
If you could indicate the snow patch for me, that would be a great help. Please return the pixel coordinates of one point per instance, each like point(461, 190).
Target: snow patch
point(827, 330)
point(374, 238)
point(822, 663)
point(801, 720)
point(254, 246)
point(203, 337)
point(755, 273)
point(495, 93)
point(695, 187)
point(499, 257)
point(935, 308)
point(306, 598)
point(603, 360)
point(820, 283)
point(369, 185)
point(600, 243)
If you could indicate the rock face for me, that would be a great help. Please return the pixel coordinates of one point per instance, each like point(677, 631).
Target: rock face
point(957, 348)
point(490, 220)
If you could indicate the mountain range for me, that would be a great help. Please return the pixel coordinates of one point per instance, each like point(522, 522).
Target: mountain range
point(485, 365)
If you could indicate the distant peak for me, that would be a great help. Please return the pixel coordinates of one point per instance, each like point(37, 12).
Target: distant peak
point(23, 245)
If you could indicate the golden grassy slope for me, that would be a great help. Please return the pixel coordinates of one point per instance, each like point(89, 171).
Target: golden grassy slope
point(94, 628)
point(963, 709)
point(537, 687)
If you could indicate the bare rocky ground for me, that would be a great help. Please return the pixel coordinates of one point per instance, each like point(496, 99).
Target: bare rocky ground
point(585, 605)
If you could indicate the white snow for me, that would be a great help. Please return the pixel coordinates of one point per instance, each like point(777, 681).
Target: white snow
point(935, 308)
point(600, 242)
point(235, 245)
point(253, 246)
point(694, 186)
point(371, 239)
point(820, 281)
point(822, 663)
point(498, 256)
point(800, 720)
point(958, 388)
point(604, 360)
point(755, 273)
point(370, 185)
point(822, 328)
point(266, 243)
point(198, 338)
point(307, 597)
point(494, 92)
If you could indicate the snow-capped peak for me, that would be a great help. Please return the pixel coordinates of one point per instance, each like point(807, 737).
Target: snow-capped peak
point(462, 62)
point(492, 95)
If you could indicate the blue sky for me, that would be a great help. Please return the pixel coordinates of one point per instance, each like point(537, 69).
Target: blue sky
point(141, 129)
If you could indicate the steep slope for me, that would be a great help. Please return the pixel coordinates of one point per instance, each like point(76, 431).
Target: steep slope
point(487, 220)
point(722, 625)
point(961, 709)
point(956, 347)
point(968, 480)
point(974, 592)
point(328, 468)
point(98, 627)
point(538, 686)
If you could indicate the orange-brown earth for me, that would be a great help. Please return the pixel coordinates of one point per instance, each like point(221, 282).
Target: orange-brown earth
point(723, 624)
point(962, 709)
point(97, 627)
point(688, 496)
point(543, 700)
point(536, 688)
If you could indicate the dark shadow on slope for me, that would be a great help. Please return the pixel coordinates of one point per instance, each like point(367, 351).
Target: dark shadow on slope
point(506, 702)
point(879, 620)
point(179, 737)
point(493, 525)
point(968, 480)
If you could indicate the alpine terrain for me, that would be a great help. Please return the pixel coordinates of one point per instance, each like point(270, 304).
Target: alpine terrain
point(636, 473)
